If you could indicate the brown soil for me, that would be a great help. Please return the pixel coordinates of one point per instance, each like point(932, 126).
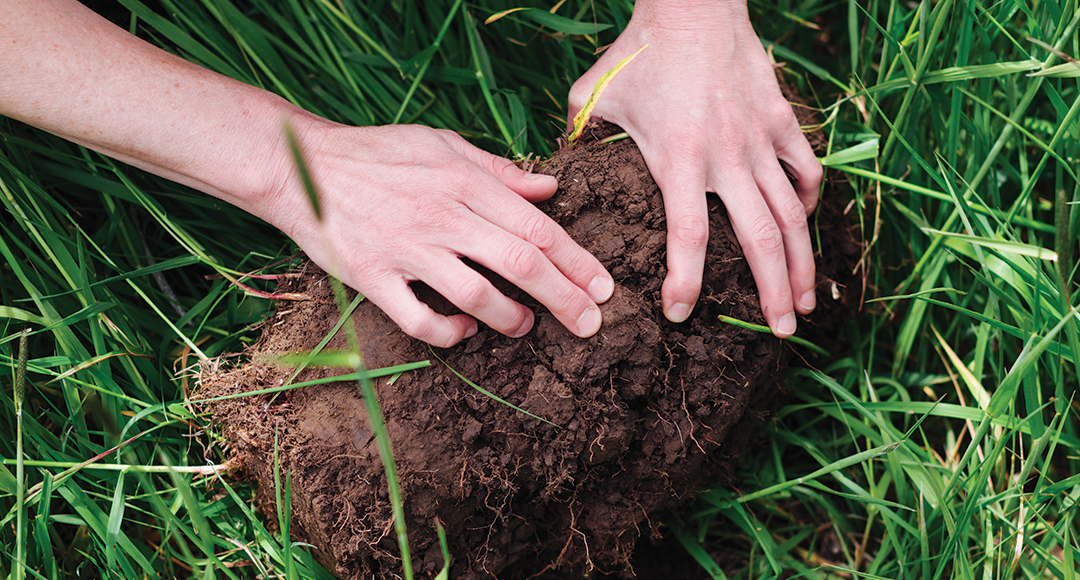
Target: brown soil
point(647, 411)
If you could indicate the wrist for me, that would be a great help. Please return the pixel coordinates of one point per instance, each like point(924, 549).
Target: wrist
point(271, 188)
point(683, 16)
point(279, 196)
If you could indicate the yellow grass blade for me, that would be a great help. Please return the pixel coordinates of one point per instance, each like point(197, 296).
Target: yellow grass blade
point(582, 118)
point(1033, 251)
point(499, 15)
point(973, 384)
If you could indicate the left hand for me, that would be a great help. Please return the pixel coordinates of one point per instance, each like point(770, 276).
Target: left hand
point(703, 105)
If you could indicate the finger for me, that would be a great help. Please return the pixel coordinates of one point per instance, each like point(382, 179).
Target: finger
point(763, 243)
point(800, 162)
point(473, 293)
point(569, 261)
point(532, 186)
point(687, 213)
point(789, 213)
point(524, 265)
point(417, 319)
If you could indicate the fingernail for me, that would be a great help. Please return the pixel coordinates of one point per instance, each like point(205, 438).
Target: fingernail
point(808, 301)
point(537, 176)
point(678, 312)
point(471, 332)
point(525, 327)
point(601, 288)
point(786, 326)
point(589, 322)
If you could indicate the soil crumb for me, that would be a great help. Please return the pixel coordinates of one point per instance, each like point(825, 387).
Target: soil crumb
point(635, 419)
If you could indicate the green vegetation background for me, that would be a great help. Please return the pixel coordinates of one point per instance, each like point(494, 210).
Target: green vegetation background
point(941, 444)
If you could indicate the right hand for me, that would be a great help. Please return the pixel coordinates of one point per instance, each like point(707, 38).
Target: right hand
point(406, 203)
point(703, 104)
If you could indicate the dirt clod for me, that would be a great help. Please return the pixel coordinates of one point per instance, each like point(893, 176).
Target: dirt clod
point(644, 412)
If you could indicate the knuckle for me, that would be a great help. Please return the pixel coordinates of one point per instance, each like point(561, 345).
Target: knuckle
point(581, 265)
point(579, 94)
point(734, 145)
point(681, 287)
point(418, 135)
point(451, 137)
point(792, 215)
point(458, 178)
point(429, 215)
point(690, 232)
point(539, 230)
point(780, 109)
point(418, 327)
point(523, 261)
point(472, 294)
point(809, 203)
point(692, 141)
point(565, 299)
point(809, 178)
point(766, 237)
point(813, 173)
point(500, 167)
point(806, 177)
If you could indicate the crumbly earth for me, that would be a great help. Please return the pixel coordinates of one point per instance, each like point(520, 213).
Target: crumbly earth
point(644, 412)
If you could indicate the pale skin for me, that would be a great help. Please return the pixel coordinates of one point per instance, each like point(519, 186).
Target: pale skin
point(400, 203)
point(703, 104)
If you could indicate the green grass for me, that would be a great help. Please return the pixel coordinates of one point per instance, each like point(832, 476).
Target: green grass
point(943, 443)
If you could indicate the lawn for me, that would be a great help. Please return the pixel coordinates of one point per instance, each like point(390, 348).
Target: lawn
point(941, 443)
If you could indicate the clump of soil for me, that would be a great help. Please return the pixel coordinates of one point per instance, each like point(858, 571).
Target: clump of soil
point(646, 411)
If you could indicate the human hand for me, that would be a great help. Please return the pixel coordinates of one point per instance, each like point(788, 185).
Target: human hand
point(406, 203)
point(400, 203)
point(703, 105)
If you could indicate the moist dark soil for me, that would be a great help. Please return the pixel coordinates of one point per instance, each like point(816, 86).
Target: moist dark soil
point(644, 412)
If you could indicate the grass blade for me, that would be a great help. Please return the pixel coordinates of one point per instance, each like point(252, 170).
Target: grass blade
point(19, 567)
point(582, 117)
point(491, 395)
point(1025, 363)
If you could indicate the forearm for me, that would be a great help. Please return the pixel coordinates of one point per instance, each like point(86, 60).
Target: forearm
point(399, 203)
point(70, 72)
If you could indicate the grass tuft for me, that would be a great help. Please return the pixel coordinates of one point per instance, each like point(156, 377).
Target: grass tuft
point(944, 442)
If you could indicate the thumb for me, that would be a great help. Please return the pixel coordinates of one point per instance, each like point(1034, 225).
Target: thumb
point(533, 187)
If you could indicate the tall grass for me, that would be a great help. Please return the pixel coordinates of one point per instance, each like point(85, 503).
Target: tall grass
point(943, 443)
